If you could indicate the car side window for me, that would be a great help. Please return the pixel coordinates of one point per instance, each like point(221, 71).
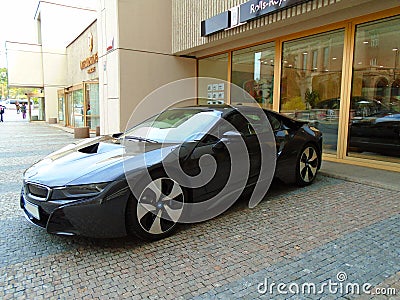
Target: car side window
point(275, 123)
point(249, 124)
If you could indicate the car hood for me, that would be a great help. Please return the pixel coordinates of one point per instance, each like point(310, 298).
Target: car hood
point(93, 160)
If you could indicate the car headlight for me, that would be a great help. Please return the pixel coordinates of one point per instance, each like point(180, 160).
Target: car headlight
point(78, 191)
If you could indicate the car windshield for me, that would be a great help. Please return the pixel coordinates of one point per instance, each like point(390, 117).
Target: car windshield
point(175, 126)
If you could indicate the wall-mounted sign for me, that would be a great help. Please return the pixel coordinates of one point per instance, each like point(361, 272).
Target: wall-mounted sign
point(111, 45)
point(257, 8)
point(241, 14)
point(89, 61)
point(215, 24)
point(90, 41)
point(91, 70)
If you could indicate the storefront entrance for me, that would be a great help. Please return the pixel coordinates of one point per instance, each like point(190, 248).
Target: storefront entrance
point(78, 105)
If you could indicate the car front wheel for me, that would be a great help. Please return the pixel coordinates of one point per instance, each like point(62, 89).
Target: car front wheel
point(156, 212)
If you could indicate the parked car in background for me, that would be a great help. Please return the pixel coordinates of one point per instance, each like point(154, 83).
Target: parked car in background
point(378, 133)
point(10, 103)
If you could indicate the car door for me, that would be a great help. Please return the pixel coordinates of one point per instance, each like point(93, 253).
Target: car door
point(243, 122)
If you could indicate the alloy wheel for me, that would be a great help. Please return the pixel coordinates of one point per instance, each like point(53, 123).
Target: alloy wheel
point(308, 164)
point(160, 206)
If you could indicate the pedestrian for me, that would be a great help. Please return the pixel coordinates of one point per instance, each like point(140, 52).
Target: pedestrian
point(2, 108)
point(23, 110)
point(18, 107)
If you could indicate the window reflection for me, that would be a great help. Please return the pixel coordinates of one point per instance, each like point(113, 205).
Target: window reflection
point(311, 82)
point(375, 105)
point(253, 71)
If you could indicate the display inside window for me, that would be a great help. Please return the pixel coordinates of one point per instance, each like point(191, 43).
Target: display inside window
point(253, 71)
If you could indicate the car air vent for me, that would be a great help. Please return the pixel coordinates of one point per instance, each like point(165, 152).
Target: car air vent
point(90, 149)
point(38, 191)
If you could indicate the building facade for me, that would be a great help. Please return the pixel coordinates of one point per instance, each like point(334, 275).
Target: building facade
point(78, 103)
point(334, 63)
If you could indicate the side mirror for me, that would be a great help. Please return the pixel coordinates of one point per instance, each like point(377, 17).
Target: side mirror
point(227, 137)
point(117, 135)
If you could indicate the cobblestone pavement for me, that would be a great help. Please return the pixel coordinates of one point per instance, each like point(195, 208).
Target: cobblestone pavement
point(333, 232)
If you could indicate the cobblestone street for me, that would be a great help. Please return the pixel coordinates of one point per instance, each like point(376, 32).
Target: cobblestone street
point(333, 231)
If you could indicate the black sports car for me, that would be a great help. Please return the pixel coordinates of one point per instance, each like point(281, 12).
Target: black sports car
point(116, 185)
point(379, 133)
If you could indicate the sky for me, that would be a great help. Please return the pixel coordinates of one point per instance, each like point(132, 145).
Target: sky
point(18, 24)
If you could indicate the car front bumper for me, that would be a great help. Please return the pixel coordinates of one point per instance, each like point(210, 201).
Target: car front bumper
point(102, 216)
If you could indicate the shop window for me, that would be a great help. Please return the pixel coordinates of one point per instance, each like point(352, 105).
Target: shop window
point(61, 106)
point(315, 60)
point(213, 91)
point(326, 59)
point(375, 105)
point(253, 71)
point(92, 113)
point(311, 91)
point(78, 108)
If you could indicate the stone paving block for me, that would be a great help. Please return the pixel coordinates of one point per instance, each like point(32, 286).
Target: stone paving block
point(301, 234)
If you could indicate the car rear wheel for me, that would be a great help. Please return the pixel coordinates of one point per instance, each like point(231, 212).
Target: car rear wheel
point(307, 165)
point(156, 212)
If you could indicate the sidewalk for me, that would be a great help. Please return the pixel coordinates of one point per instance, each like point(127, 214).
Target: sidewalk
point(364, 175)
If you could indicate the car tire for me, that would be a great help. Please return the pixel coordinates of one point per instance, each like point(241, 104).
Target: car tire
point(156, 212)
point(307, 165)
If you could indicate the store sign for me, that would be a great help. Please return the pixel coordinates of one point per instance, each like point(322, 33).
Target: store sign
point(90, 41)
point(89, 61)
point(91, 70)
point(257, 8)
point(215, 24)
point(241, 14)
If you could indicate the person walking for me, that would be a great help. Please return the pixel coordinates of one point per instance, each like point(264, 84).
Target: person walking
point(23, 110)
point(2, 108)
point(18, 107)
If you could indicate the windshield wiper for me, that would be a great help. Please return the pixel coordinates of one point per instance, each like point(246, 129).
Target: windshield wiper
point(140, 139)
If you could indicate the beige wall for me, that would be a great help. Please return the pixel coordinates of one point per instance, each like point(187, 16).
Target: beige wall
point(24, 65)
point(145, 25)
point(79, 51)
point(142, 73)
point(188, 14)
point(141, 60)
point(108, 34)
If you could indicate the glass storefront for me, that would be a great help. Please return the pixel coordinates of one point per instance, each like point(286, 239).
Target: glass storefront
point(78, 106)
point(323, 79)
point(61, 106)
point(92, 105)
point(374, 127)
point(253, 71)
point(311, 82)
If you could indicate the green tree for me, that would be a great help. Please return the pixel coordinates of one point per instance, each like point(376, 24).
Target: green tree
point(3, 83)
point(311, 98)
